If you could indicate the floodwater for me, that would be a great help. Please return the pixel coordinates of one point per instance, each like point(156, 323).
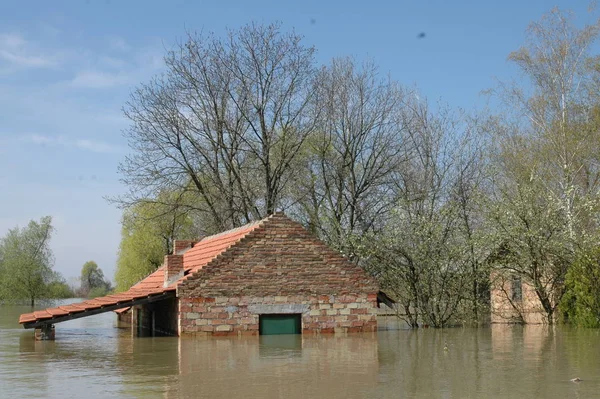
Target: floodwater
point(92, 359)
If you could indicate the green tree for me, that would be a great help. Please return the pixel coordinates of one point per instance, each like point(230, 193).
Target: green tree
point(147, 235)
point(581, 302)
point(425, 256)
point(26, 261)
point(92, 280)
point(58, 288)
point(529, 230)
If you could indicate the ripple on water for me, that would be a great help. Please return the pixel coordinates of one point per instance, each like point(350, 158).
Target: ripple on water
point(92, 359)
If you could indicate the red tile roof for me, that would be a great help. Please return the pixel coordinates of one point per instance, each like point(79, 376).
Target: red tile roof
point(208, 248)
point(193, 260)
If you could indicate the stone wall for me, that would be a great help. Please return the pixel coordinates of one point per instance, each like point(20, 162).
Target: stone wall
point(240, 315)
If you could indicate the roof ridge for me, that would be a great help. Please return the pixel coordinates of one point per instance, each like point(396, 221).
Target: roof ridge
point(206, 268)
point(235, 229)
point(256, 226)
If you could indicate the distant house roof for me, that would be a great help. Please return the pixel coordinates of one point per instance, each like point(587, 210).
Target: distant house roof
point(151, 287)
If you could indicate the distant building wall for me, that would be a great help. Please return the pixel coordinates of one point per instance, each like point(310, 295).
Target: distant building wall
point(514, 300)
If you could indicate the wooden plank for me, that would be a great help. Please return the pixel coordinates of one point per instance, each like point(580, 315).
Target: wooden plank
point(134, 302)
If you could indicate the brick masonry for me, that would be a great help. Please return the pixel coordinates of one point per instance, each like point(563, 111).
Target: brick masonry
point(183, 245)
point(504, 309)
point(278, 267)
point(173, 268)
point(240, 315)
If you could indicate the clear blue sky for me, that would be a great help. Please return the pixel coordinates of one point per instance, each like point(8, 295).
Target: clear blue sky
point(67, 67)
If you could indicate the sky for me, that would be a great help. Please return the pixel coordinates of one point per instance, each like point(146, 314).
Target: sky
point(68, 67)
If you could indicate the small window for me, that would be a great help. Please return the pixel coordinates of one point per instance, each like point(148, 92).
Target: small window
point(275, 324)
point(517, 289)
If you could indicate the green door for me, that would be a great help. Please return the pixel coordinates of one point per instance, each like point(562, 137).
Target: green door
point(274, 324)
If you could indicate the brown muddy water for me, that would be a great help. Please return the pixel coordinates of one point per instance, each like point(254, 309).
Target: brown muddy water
point(92, 359)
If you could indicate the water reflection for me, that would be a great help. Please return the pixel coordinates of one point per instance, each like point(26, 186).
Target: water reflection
point(273, 346)
point(277, 366)
point(93, 359)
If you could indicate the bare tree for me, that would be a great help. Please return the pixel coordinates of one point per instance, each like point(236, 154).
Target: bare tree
point(225, 122)
point(553, 107)
point(426, 256)
point(353, 154)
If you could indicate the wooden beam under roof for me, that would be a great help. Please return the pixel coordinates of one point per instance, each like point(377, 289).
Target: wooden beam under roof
point(108, 308)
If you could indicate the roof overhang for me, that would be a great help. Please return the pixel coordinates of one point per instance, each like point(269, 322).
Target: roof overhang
point(39, 322)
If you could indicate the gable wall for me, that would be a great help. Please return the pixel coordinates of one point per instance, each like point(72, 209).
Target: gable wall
point(278, 268)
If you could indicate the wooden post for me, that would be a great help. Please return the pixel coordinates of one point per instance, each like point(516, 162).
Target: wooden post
point(153, 324)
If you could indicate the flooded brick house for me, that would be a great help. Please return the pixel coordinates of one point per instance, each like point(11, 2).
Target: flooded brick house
point(267, 277)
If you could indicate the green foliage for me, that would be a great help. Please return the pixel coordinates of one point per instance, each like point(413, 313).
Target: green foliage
point(98, 291)
point(26, 262)
point(147, 235)
point(92, 278)
point(425, 256)
point(424, 261)
point(546, 179)
point(529, 231)
point(581, 304)
point(60, 290)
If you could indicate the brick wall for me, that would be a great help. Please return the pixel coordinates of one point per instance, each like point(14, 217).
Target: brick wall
point(182, 245)
point(278, 263)
point(173, 268)
point(505, 309)
point(240, 315)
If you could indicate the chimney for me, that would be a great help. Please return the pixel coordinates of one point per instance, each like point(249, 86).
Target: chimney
point(173, 268)
point(182, 245)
